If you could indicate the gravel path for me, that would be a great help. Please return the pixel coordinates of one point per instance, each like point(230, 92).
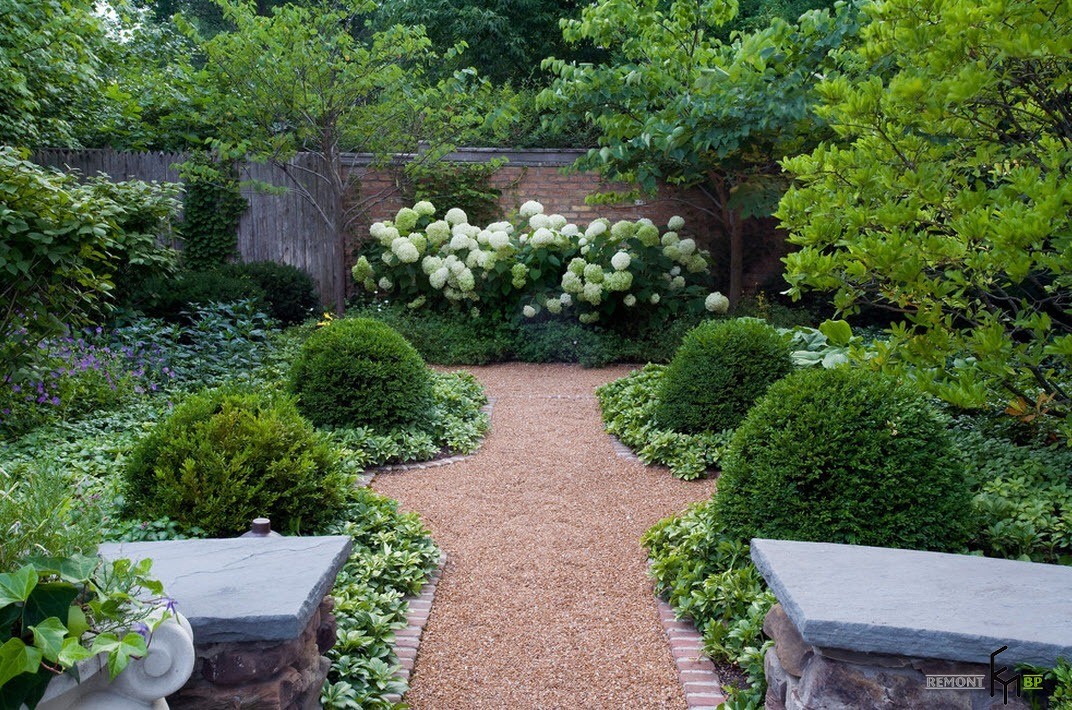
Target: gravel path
point(544, 602)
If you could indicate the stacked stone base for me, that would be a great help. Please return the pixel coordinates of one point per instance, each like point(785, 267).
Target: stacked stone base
point(284, 675)
point(801, 676)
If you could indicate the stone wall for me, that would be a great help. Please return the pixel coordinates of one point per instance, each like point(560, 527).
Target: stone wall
point(801, 676)
point(284, 675)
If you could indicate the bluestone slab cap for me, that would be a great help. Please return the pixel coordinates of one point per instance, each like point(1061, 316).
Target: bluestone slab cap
point(921, 604)
point(243, 589)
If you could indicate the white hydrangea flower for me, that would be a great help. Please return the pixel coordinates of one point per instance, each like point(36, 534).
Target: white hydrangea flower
point(430, 264)
point(618, 281)
point(676, 222)
point(539, 221)
point(388, 234)
point(593, 273)
point(717, 303)
point(405, 250)
point(439, 277)
point(648, 235)
point(595, 229)
point(588, 317)
point(376, 229)
point(466, 280)
point(542, 237)
point(498, 240)
point(459, 242)
point(406, 219)
point(456, 267)
point(424, 208)
point(570, 230)
point(629, 300)
point(523, 238)
point(577, 265)
point(620, 261)
point(362, 269)
point(645, 222)
point(677, 283)
point(471, 260)
point(582, 242)
point(696, 263)
point(687, 246)
point(571, 282)
point(675, 271)
point(438, 232)
point(655, 298)
point(482, 258)
point(456, 215)
point(389, 258)
point(557, 221)
point(593, 293)
point(529, 311)
point(566, 299)
point(452, 293)
point(483, 237)
point(501, 227)
point(385, 283)
point(553, 306)
point(670, 239)
point(585, 249)
point(530, 208)
point(671, 252)
point(622, 229)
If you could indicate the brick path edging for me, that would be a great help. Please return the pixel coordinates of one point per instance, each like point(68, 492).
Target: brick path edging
point(699, 679)
point(408, 639)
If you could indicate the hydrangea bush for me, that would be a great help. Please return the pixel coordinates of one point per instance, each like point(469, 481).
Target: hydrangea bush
point(539, 266)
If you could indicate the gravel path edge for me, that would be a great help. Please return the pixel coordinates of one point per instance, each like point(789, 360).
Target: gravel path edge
point(408, 639)
point(699, 679)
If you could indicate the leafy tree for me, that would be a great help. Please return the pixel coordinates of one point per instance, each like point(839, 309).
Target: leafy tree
point(48, 70)
point(506, 39)
point(947, 196)
point(303, 79)
point(679, 104)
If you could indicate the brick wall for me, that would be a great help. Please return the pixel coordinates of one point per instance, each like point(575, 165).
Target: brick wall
point(565, 194)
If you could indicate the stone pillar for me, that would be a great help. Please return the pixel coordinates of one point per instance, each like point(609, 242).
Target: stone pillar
point(262, 675)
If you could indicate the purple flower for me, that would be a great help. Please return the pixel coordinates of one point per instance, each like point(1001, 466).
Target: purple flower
point(142, 629)
point(16, 389)
point(55, 400)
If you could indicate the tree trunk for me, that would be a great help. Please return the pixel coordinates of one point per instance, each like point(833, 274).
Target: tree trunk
point(735, 227)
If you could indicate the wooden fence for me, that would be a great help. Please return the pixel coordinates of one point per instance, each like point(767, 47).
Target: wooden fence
point(285, 227)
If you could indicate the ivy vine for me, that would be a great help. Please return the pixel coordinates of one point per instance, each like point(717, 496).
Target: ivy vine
point(212, 207)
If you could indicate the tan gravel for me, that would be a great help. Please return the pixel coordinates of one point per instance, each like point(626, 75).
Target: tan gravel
point(544, 602)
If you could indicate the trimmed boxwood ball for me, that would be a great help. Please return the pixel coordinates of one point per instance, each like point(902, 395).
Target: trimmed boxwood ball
point(361, 372)
point(845, 456)
point(227, 456)
point(720, 370)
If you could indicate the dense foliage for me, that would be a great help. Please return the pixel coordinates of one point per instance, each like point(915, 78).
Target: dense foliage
point(391, 558)
point(707, 575)
point(225, 457)
point(605, 274)
point(290, 294)
point(674, 102)
point(846, 456)
point(212, 206)
point(358, 372)
point(64, 246)
point(719, 371)
point(628, 406)
point(946, 196)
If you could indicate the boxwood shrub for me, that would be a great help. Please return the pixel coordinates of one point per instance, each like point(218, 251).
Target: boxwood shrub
point(361, 372)
point(226, 456)
point(290, 294)
point(845, 456)
point(720, 370)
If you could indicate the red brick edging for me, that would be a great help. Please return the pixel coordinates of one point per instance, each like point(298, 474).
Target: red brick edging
point(699, 679)
point(408, 639)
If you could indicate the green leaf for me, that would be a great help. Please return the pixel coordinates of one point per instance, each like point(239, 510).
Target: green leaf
point(838, 332)
point(16, 586)
point(73, 652)
point(47, 600)
point(17, 658)
point(49, 636)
